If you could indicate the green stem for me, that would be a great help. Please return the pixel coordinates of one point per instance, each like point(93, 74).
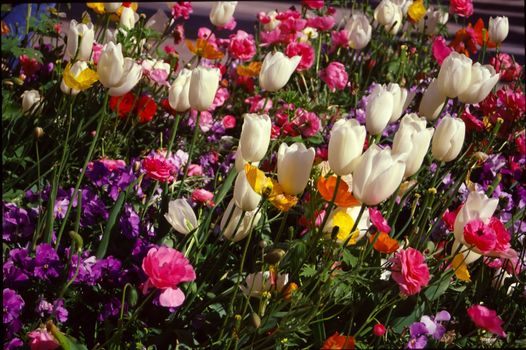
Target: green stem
point(190, 153)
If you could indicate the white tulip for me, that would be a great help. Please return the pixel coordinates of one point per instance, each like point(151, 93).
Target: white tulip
point(179, 91)
point(455, 74)
point(244, 196)
point(294, 167)
point(448, 139)
point(128, 18)
point(276, 70)
point(434, 19)
point(231, 219)
point(240, 162)
point(498, 29)
point(255, 136)
point(117, 73)
point(432, 102)
point(412, 138)
point(359, 30)
point(389, 15)
point(81, 49)
point(399, 98)
point(483, 79)
point(377, 175)
point(273, 23)
point(353, 212)
point(75, 70)
point(112, 7)
point(203, 87)
point(380, 105)
point(29, 99)
point(469, 255)
point(222, 12)
point(259, 282)
point(345, 145)
point(181, 216)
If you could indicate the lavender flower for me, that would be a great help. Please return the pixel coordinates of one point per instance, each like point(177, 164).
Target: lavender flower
point(47, 262)
point(17, 222)
point(129, 222)
point(13, 305)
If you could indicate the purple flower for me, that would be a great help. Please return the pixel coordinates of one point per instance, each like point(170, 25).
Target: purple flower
point(93, 209)
point(417, 343)
point(61, 206)
point(47, 262)
point(87, 273)
point(44, 308)
point(110, 309)
point(59, 311)
point(18, 266)
point(13, 305)
point(17, 222)
point(427, 326)
point(14, 343)
point(129, 222)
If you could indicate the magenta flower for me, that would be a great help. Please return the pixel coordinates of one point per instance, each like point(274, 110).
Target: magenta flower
point(335, 76)
point(242, 46)
point(41, 339)
point(410, 271)
point(486, 319)
point(182, 9)
point(463, 8)
point(480, 235)
point(159, 168)
point(305, 50)
point(378, 220)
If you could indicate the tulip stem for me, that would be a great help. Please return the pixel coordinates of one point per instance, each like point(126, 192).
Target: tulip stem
point(281, 226)
point(190, 152)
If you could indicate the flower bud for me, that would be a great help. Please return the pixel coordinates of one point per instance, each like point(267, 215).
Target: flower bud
point(181, 216)
point(448, 139)
point(389, 15)
point(80, 40)
point(455, 75)
point(128, 18)
point(179, 91)
point(377, 175)
point(117, 73)
point(483, 79)
point(498, 29)
point(345, 145)
point(274, 256)
point(29, 99)
point(359, 31)
point(294, 167)
point(231, 221)
point(432, 101)
point(255, 320)
point(399, 98)
point(379, 330)
point(222, 12)
point(380, 104)
point(255, 136)
point(38, 132)
point(276, 70)
point(203, 87)
point(244, 196)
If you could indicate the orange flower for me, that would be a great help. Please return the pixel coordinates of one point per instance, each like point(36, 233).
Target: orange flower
point(344, 198)
point(482, 35)
point(337, 341)
point(289, 290)
point(250, 70)
point(5, 28)
point(384, 243)
point(465, 41)
point(204, 49)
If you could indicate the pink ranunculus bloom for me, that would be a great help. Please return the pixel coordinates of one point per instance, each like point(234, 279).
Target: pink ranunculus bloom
point(339, 39)
point(378, 220)
point(305, 50)
point(203, 196)
point(503, 236)
point(228, 121)
point(480, 235)
point(112, 164)
point(41, 339)
point(440, 49)
point(96, 51)
point(463, 8)
point(410, 271)
point(335, 76)
point(166, 268)
point(242, 46)
point(206, 33)
point(291, 27)
point(270, 38)
point(471, 121)
point(313, 4)
point(221, 96)
point(182, 9)
point(507, 68)
point(307, 122)
point(292, 14)
point(205, 120)
point(195, 170)
point(258, 104)
point(159, 168)
point(322, 23)
point(486, 319)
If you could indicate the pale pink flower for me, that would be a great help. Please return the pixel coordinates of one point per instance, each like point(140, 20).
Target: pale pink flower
point(410, 271)
point(322, 23)
point(486, 319)
point(205, 120)
point(96, 51)
point(270, 38)
point(257, 103)
point(221, 96)
point(203, 196)
point(305, 50)
point(230, 25)
point(195, 170)
point(335, 76)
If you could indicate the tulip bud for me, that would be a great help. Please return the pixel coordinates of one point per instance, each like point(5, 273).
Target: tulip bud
point(399, 98)
point(75, 71)
point(112, 7)
point(345, 145)
point(128, 18)
point(379, 110)
point(483, 79)
point(117, 73)
point(412, 138)
point(294, 167)
point(203, 87)
point(389, 15)
point(231, 221)
point(377, 175)
point(179, 91)
point(274, 256)
point(244, 196)
point(222, 12)
point(81, 49)
point(181, 216)
point(276, 70)
point(38, 132)
point(455, 74)
point(29, 99)
point(359, 30)
point(432, 101)
point(255, 320)
point(240, 162)
point(255, 136)
point(498, 29)
point(448, 139)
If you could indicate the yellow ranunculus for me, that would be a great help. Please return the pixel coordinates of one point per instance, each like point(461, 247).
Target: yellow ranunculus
point(83, 81)
point(281, 200)
point(416, 11)
point(460, 267)
point(345, 224)
point(98, 7)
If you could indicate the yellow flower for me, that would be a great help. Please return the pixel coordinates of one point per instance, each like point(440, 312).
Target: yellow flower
point(281, 200)
point(416, 11)
point(81, 82)
point(345, 224)
point(98, 7)
point(460, 267)
point(203, 48)
point(250, 70)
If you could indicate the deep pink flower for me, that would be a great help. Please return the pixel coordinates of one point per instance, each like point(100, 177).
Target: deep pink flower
point(229, 121)
point(96, 51)
point(166, 268)
point(471, 121)
point(463, 8)
point(335, 76)
point(410, 271)
point(378, 220)
point(159, 168)
point(339, 39)
point(292, 14)
point(41, 339)
point(258, 104)
point(270, 38)
point(305, 50)
point(111, 164)
point(313, 4)
point(29, 66)
point(503, 236)
point(486, 319)
point(440, 49)
point(509, 70)
point(449, 218)
point(290, 28)
point(182, 9)
point(322, 23)
point(308, 122)
point(203, 196)
point(481, 236)
point(242, 46)
point(379, 329)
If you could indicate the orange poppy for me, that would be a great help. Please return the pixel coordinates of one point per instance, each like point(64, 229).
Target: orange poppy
point(203, 48)
point(482, 35)
point(465, 41)
point(250, 70)
point(337, 341)
point(384, 243)
point(344, 198)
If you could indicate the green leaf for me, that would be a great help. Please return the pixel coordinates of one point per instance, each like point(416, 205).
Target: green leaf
point(400, 322)
point(349, 259)
point(439, 287)
point(308, 271)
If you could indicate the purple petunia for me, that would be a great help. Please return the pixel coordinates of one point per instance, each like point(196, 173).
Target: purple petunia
point(47, 262)
point(129, 222)
point(110, 309)
point(13, 305)
point(17, 222)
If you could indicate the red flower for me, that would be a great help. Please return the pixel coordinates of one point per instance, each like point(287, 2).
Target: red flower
point(480, 235)
point(472, 123)
point(159, 168)
point(122, 105)
point(337, 341)
point(146, 108)
point(482, 34)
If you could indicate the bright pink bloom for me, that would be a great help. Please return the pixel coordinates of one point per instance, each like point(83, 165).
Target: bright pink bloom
point(270, 38)
point(378, 220)
point(242, 46)
point(379, 329)
point(307, 122)
point(449, 218)
point(509, 69)
point(229, 121)
point(166, 269)
point(182, 9)
point(292, 14)
point(503, 236)
point(305, 50)
point(206, 33)
point(410, 271)
point(230, 25)
point(41, 339)
point(203, 196)
point(471, 121)
point(257, 103)
point(169, 50)
point(486, 319)
point(205, 120)
point(195, 170)
point(322, 23)
point(111, 164)
point(313, 4)
point(339, 39)
point(290, 28)
point(221, 96)
point(481, 236)
point(159, 168)
point(463, 8)
point(96, 51)
point(335, 76)
point(29, 66)
point(440, 49)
